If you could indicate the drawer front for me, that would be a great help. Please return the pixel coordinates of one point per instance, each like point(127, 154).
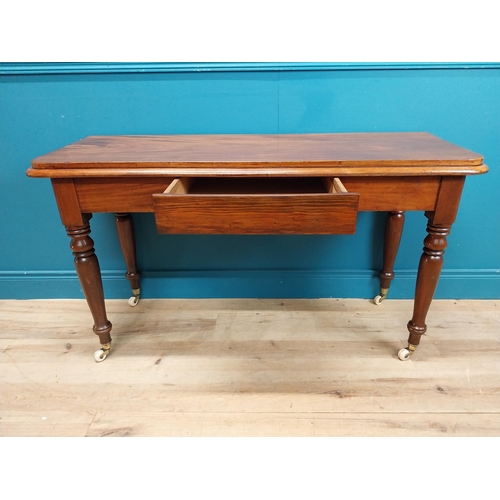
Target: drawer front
point(296, 213)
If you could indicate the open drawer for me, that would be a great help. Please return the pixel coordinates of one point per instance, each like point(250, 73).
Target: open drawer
point(226, 205)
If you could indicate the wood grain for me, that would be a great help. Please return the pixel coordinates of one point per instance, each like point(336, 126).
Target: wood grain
point(256, 170)
point(448, 200)
point(376, 149)
point(376, 193)
point(395, 193)
point(119, 195)
point(67, 203)
point(256, 214)
point(249, 367)
point(361, 154)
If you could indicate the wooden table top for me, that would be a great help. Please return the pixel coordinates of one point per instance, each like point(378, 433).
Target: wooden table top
point(356, 153)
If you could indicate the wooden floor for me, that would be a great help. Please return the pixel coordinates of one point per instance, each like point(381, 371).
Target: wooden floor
point(323, 367)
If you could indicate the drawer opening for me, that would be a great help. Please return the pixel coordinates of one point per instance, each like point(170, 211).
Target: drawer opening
point(255, 185)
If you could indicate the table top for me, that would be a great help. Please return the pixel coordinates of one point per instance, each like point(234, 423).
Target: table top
point(239, 154)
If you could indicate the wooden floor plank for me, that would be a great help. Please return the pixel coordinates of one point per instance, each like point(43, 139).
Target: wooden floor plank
point(329, 361)
point(41, 423)
point(296, 424)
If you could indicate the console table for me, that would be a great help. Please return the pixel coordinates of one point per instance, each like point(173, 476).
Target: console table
point(259, 184)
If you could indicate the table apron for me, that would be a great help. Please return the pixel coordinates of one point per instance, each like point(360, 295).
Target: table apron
point(376, 193)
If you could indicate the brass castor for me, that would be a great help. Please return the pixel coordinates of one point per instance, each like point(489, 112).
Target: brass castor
point(134, 300)
point(406, 352)
point(102, 353)
point(381, 296)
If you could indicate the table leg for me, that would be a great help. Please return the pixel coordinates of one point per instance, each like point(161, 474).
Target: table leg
point(126, 234)
point(429, 270)
point(89, 274)
point(393, 230)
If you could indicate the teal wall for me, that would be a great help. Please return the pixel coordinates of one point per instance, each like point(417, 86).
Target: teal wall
point(44, 107)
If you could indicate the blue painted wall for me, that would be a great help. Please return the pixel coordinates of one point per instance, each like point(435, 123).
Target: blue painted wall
point(44, 107)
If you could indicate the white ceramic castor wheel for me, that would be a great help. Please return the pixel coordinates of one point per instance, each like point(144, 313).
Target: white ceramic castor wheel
point(101, 354)
point(133, 301)
point(381, 296)
point(404, 354)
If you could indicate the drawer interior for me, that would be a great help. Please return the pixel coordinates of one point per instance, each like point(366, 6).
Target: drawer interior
point(254, 185)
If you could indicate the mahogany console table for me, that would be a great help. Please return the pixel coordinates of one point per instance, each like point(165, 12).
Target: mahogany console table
point(259, 184)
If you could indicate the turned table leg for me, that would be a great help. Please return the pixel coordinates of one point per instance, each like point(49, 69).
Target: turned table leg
point(126, 234)
point(429, 270)
point(89, 274)
point(393, 230)
point(438, 228)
